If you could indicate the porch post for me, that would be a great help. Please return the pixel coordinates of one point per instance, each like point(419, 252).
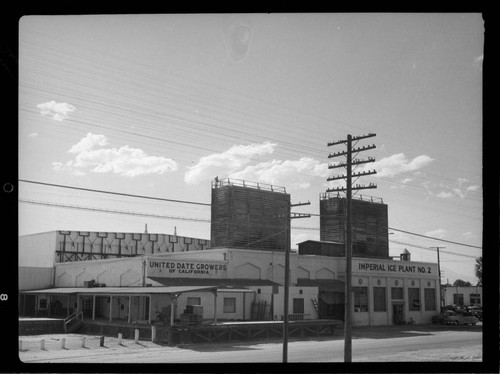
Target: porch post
point(49, 299)
point(67, 307)
point(110, 308)
point(36, 305)
point(215, 306)
point(129, 307)
point(149, 317)
point(93, 307)
point(172, 308)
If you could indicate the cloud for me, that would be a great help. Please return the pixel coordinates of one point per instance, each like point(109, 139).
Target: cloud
point(226, 162)
point(439, 233)
point(58, 111)
point(478, 62)
point(444, 195)
point(398, 164)
point(295, 174)
point(125, 161)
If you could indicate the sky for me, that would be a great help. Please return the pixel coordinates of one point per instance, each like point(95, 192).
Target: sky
point(159, 105)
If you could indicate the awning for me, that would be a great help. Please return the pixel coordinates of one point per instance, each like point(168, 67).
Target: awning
point(119, 290)
point(328, 285)
point(219, 283)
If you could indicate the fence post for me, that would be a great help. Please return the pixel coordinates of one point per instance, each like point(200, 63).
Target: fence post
point(153, 333)
point(119, 338)
point(101, 341)
point(83, 342)
point(137, 335)
point(20, 345)
point(42, 344)
point(63, 343)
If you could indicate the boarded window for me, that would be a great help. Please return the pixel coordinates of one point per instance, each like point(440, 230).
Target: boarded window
point(413, 299)
point(229, 305)
point(193, 301)
point(397, 293)
point(298, 306)
point(379, 299)
point(458, 299)
point(475, 299)
point(430, 299)
point(360, 299)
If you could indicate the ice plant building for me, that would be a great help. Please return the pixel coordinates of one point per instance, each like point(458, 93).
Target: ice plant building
point(236, 276)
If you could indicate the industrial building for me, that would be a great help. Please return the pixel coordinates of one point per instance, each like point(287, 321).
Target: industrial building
point(236, 276)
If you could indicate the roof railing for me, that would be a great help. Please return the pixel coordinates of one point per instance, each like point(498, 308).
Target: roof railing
point(218, 183)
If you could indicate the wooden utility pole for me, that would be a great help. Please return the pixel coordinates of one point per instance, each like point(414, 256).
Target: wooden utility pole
point(348, 223)
point(439, 272)
point(286, 286)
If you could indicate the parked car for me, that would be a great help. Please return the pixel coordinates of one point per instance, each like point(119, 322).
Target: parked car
point(461, 319)
point(439, 318)
point(477, 311)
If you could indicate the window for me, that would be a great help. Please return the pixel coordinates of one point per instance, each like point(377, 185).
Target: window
point(397, 293)
point(413, 299)
point(193, 301)
point(458, 299)
point(298, 306)
point(43, 304)
point(229, 305)
point(379, 299)
point(360, 299)
point(430, 298)
point(475, 299)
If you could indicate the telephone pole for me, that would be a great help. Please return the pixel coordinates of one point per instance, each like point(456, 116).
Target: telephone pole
point(348, 226)
point(439, 272)
point(286, 286)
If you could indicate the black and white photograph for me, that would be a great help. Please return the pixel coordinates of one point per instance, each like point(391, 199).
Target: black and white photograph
point(251, 188)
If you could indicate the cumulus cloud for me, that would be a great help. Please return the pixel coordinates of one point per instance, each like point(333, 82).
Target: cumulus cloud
point(226, 162)
point(439, 233)
point(125, 161)
point(58, 111)
point(398, 164)
point(295, 174)
point(445, 195)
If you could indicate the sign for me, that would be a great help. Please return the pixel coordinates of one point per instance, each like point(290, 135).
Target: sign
point(399, 267)
point(185, 268)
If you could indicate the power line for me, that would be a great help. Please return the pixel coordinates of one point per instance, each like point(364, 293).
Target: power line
point(116, 193)
point(209, 204)
point(112, 211)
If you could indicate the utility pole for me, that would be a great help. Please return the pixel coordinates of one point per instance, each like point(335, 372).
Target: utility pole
point(286, 286)
point(439, 272)
point(348, 226)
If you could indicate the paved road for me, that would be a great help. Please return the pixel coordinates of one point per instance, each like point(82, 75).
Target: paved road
point(409, 345)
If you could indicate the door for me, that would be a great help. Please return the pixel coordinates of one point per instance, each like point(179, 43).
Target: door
point(397, 314)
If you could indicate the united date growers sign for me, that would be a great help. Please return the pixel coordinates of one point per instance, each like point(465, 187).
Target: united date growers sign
point(186, 269)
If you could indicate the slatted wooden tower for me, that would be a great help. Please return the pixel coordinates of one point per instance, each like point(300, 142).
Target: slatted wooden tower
point(249, 215)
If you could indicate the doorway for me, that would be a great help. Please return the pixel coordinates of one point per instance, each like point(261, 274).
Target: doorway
point(397, 313)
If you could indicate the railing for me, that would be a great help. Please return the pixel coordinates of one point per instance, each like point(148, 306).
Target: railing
point(371, 199)
point(217, 183)
point(72, 319)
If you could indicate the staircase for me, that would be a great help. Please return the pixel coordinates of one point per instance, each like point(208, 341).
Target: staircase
point(73, 322)
point(316, 306)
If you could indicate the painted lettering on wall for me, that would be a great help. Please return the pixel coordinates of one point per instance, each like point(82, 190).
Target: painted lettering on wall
point(165, 268)
point(395, 268)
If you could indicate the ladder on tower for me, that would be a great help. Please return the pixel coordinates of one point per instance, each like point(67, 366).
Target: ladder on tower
point(316, 306)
